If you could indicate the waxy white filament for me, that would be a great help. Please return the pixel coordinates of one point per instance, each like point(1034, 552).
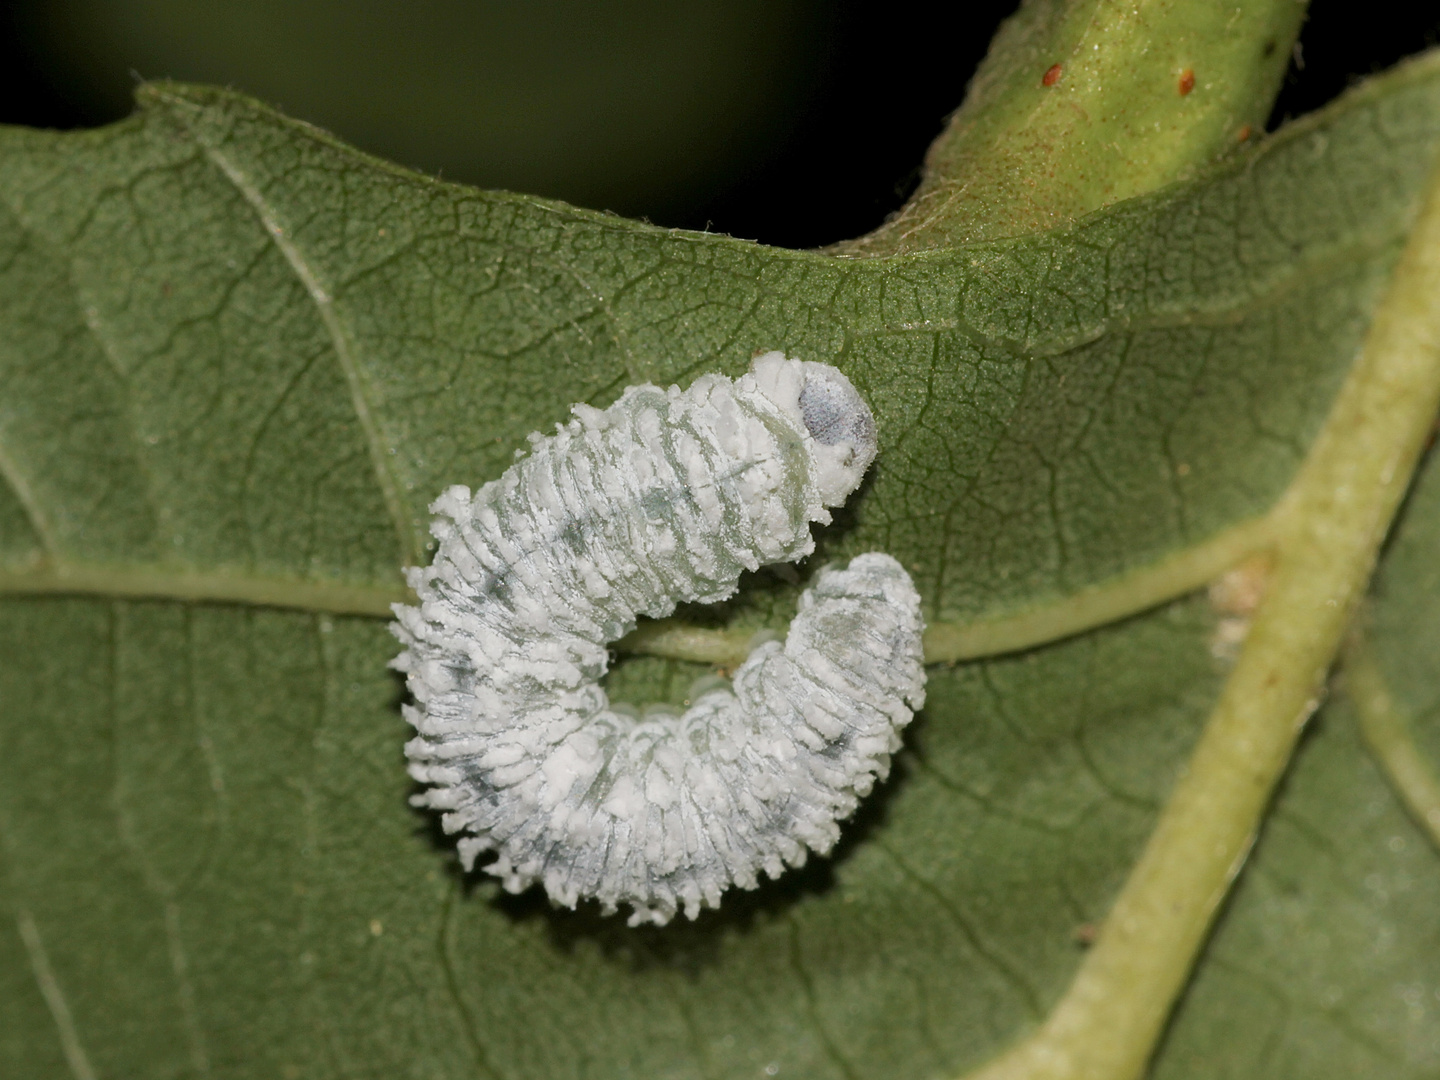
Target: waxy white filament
point(666, 496)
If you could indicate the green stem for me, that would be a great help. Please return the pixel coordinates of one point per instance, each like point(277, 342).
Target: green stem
point(1334, 518)
point(1116, 115)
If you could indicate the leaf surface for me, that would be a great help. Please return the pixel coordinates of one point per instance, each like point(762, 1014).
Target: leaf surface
point(239, 359)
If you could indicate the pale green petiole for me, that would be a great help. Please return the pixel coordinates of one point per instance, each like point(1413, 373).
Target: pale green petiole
point(1328, 531)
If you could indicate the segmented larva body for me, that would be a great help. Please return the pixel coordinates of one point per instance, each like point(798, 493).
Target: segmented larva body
point(666, 496)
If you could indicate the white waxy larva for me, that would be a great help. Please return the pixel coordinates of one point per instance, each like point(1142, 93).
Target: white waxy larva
point(666, 496)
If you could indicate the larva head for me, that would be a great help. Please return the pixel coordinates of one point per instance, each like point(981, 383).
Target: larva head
point(841, 427)
point(836, 415)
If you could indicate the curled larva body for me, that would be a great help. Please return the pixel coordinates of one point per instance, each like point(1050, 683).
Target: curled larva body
point(666, 496)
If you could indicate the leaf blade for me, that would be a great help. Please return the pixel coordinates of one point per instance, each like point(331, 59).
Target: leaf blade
point(1026, 793)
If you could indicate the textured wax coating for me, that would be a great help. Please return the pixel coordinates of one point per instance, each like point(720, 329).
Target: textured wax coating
point(666, 496)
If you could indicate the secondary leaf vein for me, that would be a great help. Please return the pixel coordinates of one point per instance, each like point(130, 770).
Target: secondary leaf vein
point(362, 393)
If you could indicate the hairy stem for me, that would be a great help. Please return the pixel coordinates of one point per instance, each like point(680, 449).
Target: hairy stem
point(1334, 518)
point(1082, 103)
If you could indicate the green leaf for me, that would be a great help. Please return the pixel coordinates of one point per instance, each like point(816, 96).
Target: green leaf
point(238, 361)
point(1326, 963)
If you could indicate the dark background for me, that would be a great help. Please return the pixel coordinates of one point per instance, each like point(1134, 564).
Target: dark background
point(794, 122)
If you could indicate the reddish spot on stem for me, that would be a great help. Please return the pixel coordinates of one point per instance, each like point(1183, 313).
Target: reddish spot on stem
point(1051, 76)
point(1243, 133)
point(1187, 81)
